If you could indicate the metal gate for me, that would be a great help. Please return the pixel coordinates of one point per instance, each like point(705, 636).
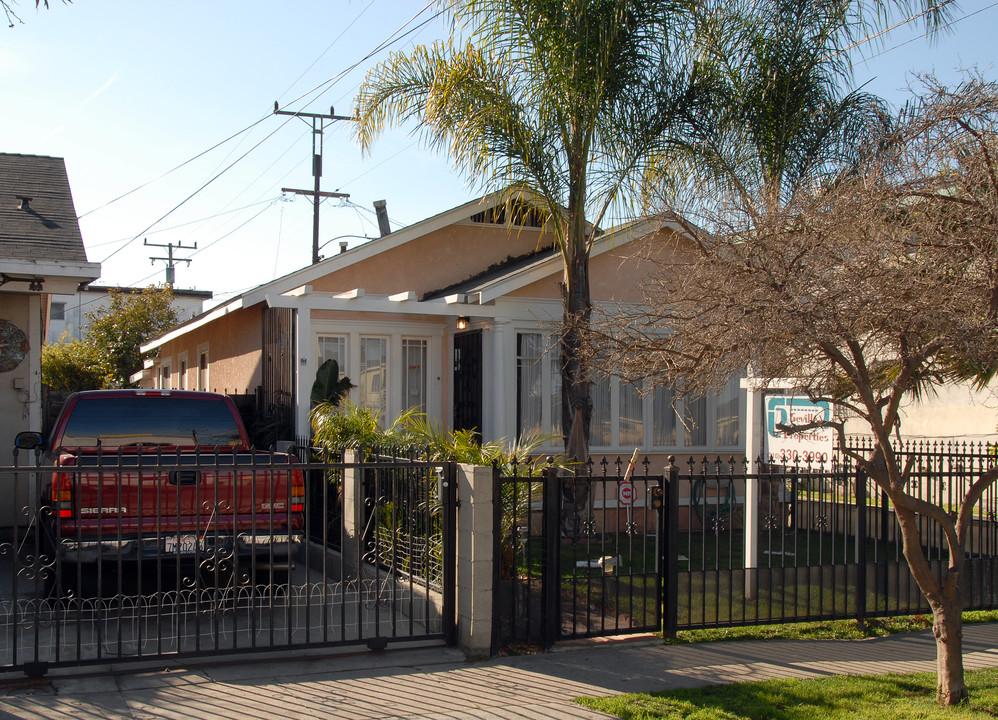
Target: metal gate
point(373, 558)
point(595, 569)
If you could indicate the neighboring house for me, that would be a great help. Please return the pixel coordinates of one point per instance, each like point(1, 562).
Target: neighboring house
point(455, 315)
point(68, 312)
point(41, 254)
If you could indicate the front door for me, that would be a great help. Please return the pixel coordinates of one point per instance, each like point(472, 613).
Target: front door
point(468, 381)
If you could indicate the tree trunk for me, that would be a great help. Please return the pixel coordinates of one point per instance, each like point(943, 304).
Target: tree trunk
point(947, 626)
point(575, 381)
point(946, 600)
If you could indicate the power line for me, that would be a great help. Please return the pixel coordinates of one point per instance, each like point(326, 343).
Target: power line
point(870, 38)
point(178, 167)
point(190, 222)
point(200, 188)
point(388, 42)
point(949, 24)
point(392, 39)
point(328, 48)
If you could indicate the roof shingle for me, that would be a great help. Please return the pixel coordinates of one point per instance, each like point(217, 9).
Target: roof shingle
point(47, 229)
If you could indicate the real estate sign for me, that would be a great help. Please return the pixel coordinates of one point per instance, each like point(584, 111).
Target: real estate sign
point(813, 445)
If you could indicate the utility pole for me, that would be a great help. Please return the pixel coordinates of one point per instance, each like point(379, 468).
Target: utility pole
point(170, 260)
point(318, 125)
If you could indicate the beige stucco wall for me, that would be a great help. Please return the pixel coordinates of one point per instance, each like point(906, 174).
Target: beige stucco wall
point(953, 412)
point(20, 403)
point(439, 259)
point(234, 343)
point(617, 274)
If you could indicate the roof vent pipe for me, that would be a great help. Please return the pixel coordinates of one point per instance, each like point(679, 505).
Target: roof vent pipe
point(23, 202)
point(383, 226)
point(343, 246)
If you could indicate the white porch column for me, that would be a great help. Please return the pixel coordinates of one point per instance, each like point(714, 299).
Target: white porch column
point(304, 369)
point(497, 383)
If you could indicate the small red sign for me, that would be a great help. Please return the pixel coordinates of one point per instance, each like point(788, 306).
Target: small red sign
point(625, 493)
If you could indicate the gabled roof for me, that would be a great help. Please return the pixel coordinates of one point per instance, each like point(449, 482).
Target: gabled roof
point(39, 232)
point(483, 288)
point(520, 272)
point(44, 226)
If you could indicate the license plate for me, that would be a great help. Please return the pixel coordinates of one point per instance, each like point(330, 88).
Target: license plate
point(183, 545)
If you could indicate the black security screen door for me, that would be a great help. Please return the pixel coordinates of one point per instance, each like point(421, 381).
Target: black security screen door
point(468, 381)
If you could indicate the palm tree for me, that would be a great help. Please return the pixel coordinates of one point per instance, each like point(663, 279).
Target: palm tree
point(787, 125)
point(571, 101)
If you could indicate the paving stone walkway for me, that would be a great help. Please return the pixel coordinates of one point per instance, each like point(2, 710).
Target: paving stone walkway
point(440, 683)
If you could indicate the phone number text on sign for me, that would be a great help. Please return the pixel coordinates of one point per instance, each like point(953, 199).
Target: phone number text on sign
point(815, 444)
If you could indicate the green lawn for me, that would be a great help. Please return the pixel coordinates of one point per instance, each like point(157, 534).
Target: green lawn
point(883, 697)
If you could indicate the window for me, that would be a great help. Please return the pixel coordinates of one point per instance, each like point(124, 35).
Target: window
point(414, 374)
point(333, 347)
point(663, 417)
point(373, 370)
point(183, 375)
point(631, 411)
point(166, 420)
point(395, 370)
point(625, 415)
point(202, 369)
point(555, 375)
point(599, 427)
point(164, 381)
point(694, 421)
point(529, 383)
point(58, 311)
point(727, 411)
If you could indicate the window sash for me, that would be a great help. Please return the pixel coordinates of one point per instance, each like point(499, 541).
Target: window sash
point(414, 354)
point(529, 383)
point(727, 415)
point(333, 347)
point(372, 376)
point(631, 420)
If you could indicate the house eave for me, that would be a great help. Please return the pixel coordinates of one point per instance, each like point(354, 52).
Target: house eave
point(56, 277)
point(195, 323)
point(400, 303)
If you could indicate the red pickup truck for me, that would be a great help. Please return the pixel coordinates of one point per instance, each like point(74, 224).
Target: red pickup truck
point(145, 475)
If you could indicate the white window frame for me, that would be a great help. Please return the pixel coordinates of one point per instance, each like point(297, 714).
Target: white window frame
point(203, 373)
point(165, 380)
point(182, 370)
point(404, 388)
point(549, 377)
point(320, 355)
point(395, 332)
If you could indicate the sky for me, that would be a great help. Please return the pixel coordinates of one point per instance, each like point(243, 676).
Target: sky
point(163, 112)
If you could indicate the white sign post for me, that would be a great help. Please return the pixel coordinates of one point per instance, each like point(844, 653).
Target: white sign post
point(764, 411)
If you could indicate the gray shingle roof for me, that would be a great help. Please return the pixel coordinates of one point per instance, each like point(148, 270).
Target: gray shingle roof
point(47, 229)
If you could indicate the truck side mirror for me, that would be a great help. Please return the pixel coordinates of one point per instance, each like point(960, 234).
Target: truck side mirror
point(28, 440)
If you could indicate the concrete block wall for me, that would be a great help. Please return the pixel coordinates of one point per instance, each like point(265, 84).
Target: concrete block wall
point(475, 550)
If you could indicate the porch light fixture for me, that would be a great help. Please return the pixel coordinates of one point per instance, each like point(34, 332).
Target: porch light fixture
point(462, 322)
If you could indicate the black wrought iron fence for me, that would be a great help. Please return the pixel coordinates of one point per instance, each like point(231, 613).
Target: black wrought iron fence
point(819, 541)
point(137, 556)
point(579, 554)
point(732, 544)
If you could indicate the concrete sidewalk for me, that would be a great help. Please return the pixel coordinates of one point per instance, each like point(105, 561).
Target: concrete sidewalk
point(439, 683)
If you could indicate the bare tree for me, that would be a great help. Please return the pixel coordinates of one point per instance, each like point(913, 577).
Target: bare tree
point(871, 287)
point(12, 17)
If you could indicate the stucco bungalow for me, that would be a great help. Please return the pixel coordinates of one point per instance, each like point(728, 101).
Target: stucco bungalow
point(41, 253)
point(453, 315)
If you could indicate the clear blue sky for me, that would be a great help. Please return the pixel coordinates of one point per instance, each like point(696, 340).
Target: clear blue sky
point(128, 91)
